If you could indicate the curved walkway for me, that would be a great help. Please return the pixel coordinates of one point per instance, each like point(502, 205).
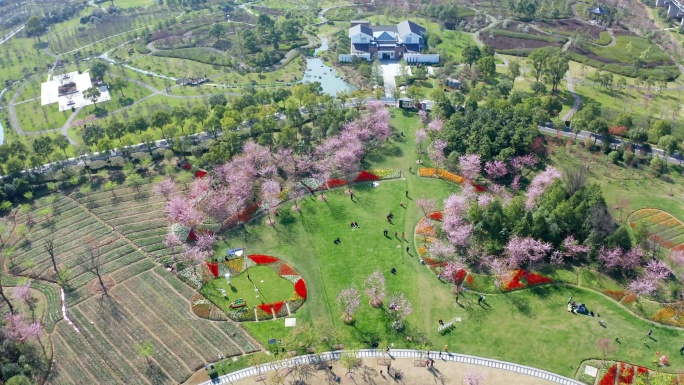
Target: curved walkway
point(397, 354)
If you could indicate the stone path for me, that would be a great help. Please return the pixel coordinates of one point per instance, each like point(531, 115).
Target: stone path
point(408, 363)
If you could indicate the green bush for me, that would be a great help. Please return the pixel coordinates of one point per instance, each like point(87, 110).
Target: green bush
point(141, 49)
point(604, 39)
point(660, 72)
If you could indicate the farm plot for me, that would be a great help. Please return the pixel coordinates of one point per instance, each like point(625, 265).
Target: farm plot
point(661, 226)
point(569, 26)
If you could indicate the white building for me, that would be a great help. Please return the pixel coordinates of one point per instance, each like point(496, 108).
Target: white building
point(388, 42)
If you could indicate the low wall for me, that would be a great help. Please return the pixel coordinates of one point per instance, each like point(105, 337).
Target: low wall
point(421, 58)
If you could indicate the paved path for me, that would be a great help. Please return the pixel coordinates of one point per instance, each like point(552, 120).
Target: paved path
point(476, 37)
point(512, 371)
point(14, 32)
point(390, 69)
point(576, 103)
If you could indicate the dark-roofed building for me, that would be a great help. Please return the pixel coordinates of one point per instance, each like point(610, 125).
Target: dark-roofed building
point(388, 42)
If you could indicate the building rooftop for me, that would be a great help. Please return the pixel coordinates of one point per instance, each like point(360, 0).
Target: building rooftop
point(407, 26)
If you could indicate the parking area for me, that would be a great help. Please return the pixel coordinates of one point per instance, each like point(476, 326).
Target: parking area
point(390, 69)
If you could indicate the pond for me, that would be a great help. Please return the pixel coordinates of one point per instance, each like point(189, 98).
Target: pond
point(318, 71)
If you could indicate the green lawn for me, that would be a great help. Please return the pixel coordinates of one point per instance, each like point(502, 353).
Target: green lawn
point(272, 288)
point(531, 327)
point(620, 53)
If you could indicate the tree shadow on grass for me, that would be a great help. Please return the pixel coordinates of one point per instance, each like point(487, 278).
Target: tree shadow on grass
point(545, 291)
point(476, 313)
point(521, 304)
point(390, 150)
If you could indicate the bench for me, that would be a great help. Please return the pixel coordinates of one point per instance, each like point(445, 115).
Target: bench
point(445, 328)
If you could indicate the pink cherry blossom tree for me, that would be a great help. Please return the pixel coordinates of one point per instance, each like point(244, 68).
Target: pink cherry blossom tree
point(515, 184)
point(436, 152)
point(573, 248)
point(436, 125)
point(539, 185)
point(349, 299)
point(374, 287)
point(180, 210)
point(199, 187)
point(270, 192)
point(527, 252)
point(426, 205)
point(616, 258)
point(424, 119)
point(166, 188)
point(23, 293)
point(523, 162)
point(441, 250)
point(496, 169)
point(471, 166)
point(421, 135)
point(474, 377)
point(452, 270)
point(205, 241)
point(19, 329)
point(399, 308)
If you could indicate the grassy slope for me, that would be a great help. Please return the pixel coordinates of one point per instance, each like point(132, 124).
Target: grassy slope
point(530, 327)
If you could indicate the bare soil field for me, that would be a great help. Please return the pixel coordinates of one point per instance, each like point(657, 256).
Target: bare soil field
point(503, 42)
point(569, 26)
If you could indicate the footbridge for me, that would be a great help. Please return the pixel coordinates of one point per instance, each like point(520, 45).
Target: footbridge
point(675, 9)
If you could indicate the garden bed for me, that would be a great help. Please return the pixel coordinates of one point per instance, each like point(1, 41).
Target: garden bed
point(569, 26)
point(508, 43)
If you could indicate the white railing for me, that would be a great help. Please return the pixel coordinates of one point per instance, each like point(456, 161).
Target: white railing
point(394, 353)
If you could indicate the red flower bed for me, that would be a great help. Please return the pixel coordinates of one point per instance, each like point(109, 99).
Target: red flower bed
point(615, 294)
point(192, 236)
point(479, 188)
point(200, 174)
point(609, 377)
point(522, 279)
point(247, 213)
point(286, 269)
point(213, 267)
point(333, 182)
point(470, 279)
point(626, 374)
point(641, 370)
point(267, 307)
point(300, 288)
point(436, 216)
point(186, 166)
point(458, 277)
point(262, 259)
point(365, 176)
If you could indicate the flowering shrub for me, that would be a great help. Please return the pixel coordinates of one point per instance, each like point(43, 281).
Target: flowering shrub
point(182, 232)
point(191, 275)
point(425, 227)
point(629, 298)
point(262, 259)
point(312, 183)
point(626, 374)
point(333, 182)
point(444, 174)
point(427, 172)
point(435, 216)
point(521, 279)
point(237, 264)
point(609, 377)
point(365, 176)
point(615, 294)
point(213, 268)
point(386, 173)
point(286, 269)
point(300, 288)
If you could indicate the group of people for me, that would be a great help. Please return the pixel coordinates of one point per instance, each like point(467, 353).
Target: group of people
point(355, 225)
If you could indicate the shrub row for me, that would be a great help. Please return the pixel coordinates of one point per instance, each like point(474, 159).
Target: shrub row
point(525, 36)
point(661, 72)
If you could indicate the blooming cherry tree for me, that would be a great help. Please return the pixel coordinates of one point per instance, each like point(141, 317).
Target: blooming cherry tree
point(539, 185)
point(23, 292)
point(526, 251)
point(426, 205)
point(399, 308)
point(471, 165)
point(441, 250)
point(436, 125)
point(424, 119)
point(166, 188)
point(496, 169)
point(374, 287)
point(452, 270)
point(350, 299)
point(421, 135)
point(436, 154)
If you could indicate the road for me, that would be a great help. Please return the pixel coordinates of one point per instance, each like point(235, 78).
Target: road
point(14, 32)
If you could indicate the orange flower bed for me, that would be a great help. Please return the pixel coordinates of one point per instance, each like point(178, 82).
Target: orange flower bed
point(629, 298)
point(424, 227)
point(427, 172)
point(615, 294)
point(443, 174)
point(664, 315)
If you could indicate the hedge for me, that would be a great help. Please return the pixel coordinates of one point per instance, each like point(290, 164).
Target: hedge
point(660, 72)
point(525, 36)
